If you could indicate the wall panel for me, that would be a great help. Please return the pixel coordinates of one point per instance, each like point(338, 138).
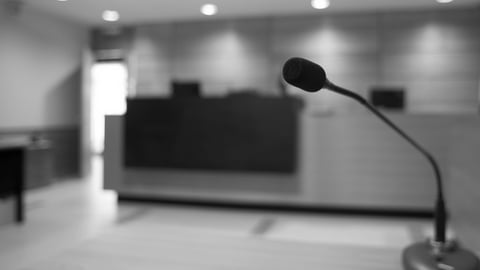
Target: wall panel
point(319, 35)
point(152, 51)
point(434, 55)
point(232, 53)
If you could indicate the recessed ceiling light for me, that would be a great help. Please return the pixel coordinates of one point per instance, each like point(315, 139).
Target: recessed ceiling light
point(444, 1)
point(320, 4)
point(209, 9)
point(110, 15)
point(62, 0)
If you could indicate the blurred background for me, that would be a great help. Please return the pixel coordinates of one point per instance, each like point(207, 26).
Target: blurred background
point(145, 130)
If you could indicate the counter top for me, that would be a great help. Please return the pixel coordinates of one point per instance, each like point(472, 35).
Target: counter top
point(13, 142)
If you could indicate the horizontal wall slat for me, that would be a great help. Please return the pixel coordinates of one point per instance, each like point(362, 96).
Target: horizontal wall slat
point(428, 53)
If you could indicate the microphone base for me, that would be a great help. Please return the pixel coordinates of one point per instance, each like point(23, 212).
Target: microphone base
point(421, 256)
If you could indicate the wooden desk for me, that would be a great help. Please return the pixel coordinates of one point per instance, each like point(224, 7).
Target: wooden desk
point(12, 174)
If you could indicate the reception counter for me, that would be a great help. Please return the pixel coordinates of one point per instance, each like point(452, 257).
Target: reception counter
point(464, 184)
point(342, 161)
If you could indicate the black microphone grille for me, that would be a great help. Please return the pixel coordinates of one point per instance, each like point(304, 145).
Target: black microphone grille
point(304, 74)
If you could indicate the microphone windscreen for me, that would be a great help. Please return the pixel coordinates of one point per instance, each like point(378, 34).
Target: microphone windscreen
point(304, 74)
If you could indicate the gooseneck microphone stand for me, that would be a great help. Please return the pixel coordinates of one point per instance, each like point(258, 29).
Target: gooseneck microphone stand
point(437, 253)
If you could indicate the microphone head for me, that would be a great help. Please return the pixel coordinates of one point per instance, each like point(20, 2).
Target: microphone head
point(304, 74)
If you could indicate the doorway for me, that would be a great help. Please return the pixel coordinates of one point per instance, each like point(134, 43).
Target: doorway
point(109, 88)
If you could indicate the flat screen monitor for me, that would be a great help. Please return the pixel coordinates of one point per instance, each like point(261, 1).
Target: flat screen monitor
point(388, 97)
point(186, 89)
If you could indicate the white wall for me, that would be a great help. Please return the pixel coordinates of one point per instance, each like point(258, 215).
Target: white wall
point(39, 71)
point(435, 55)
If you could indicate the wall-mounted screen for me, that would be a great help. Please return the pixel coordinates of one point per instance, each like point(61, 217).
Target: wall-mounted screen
point(186, 89)
point(388, 97)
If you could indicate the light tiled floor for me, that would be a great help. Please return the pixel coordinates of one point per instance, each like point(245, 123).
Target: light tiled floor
point(73, 212)
point(342, 232)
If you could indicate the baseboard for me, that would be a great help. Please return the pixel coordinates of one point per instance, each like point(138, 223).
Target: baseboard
point(319, 209)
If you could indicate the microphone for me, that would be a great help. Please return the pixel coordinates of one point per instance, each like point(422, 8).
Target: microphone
point(311, 77)
point(435, 254)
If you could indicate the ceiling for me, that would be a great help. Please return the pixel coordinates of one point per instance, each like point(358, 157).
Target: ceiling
point(148, 11)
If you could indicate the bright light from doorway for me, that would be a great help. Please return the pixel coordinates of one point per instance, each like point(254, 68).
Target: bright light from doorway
point(110, 15)
point(320, 4)
point(209, 9)
point(108, 97)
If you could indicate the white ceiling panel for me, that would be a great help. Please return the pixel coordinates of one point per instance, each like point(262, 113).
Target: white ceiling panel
point(149, 11)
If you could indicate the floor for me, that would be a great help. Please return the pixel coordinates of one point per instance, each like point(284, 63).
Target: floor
point(68, 221)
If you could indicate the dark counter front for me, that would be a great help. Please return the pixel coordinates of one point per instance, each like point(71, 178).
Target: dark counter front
point(12, 175)
point(230, 134)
